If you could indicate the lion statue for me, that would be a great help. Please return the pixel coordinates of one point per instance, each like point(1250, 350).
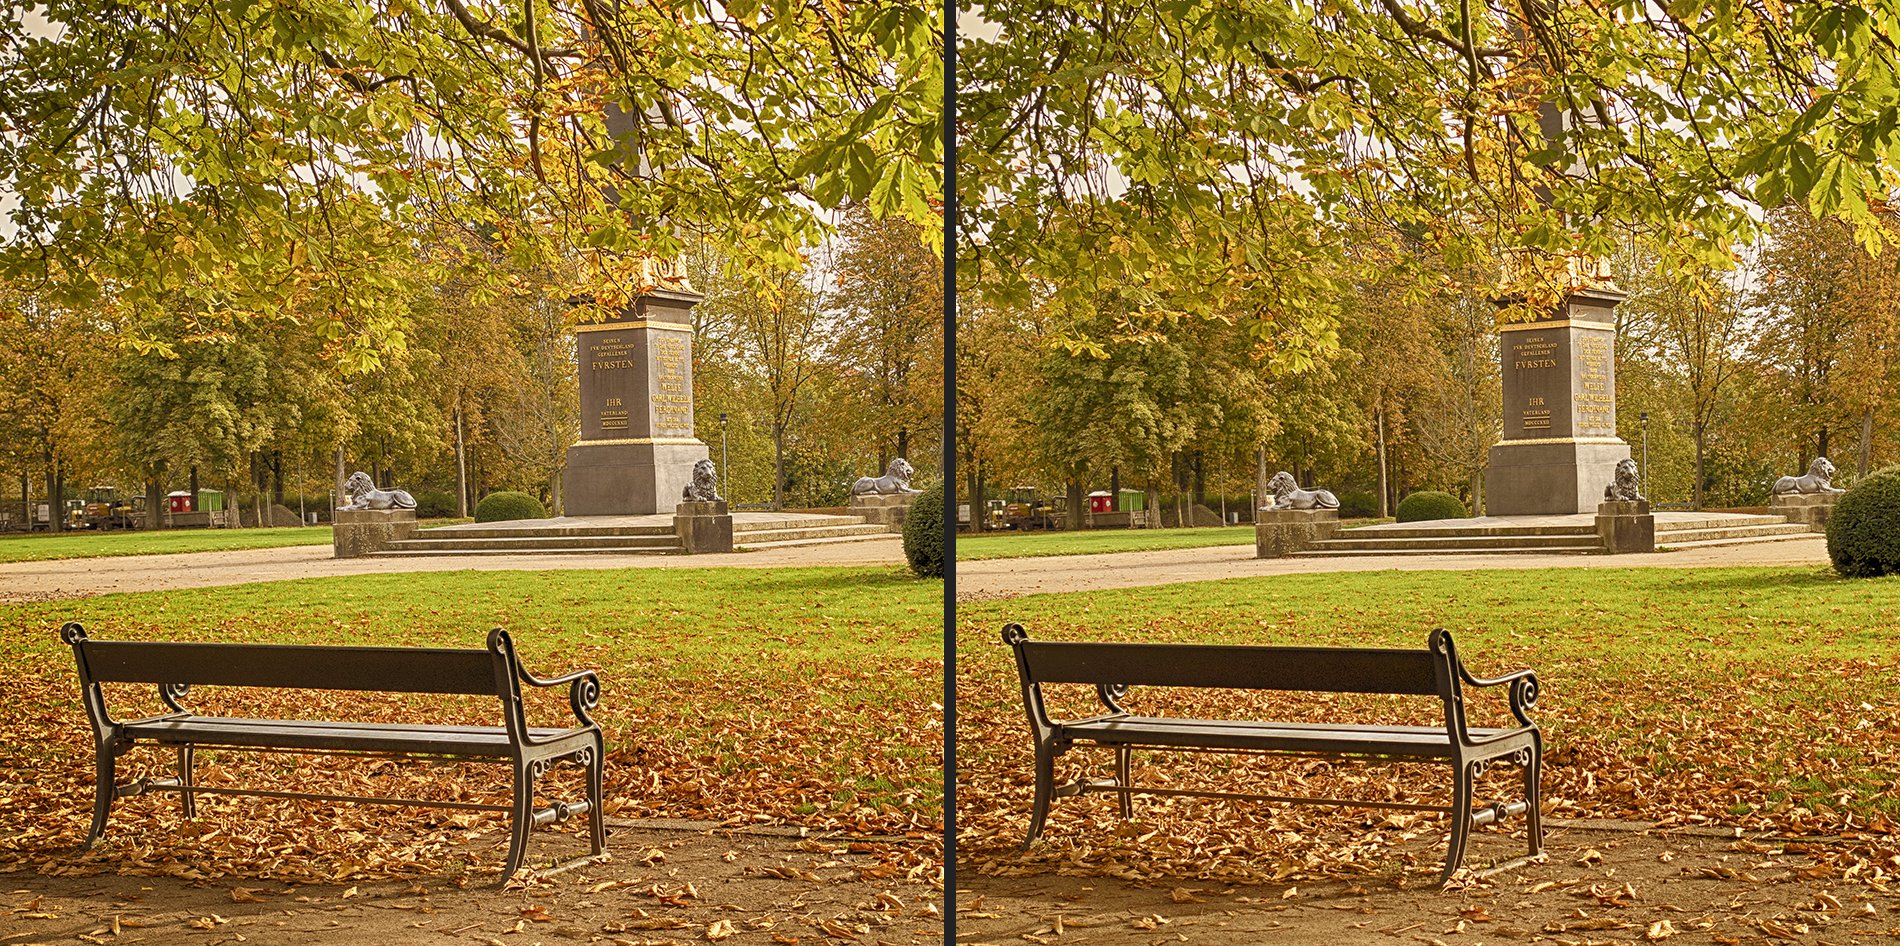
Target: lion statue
point(1626, 487)
point(364, 494)
point(1819, 479)
point(1287, 494)
point(704, 487)
point(894, 482)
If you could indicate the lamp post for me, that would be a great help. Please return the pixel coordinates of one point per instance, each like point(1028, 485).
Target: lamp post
point(1644, 419)
point(724, 475)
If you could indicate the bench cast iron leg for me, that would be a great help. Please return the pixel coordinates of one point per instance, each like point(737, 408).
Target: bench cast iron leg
point(1124, 758)
point(107, 790)
point(184, 781)
point(597, 815)
point(1533, 779)
point(1460, 820)
point(1045, 787)
point(523, 819)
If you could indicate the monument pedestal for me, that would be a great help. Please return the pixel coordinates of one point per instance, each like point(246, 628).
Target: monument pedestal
point(886, 509)
point(1531, 478)
point(1626, 527)
point(1279, 533)
point(636, 450)
point(627, 479)
point(1808, 509)
point(359, 532)
point(703, 527)
point(1559, 447)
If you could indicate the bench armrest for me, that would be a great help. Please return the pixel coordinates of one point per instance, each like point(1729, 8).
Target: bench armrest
point(1523, 694)
point(583, 693)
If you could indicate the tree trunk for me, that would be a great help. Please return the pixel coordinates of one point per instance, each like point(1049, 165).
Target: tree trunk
point(56, 500)
point(1260, 478)
point(26, 501)
point(461, 466)
point(192, 500)
point(1385, 486)
point(778, 466)
point(1197, 468)
point(903, 443)
point(1152, 502)
point(277, 477)
point(1866, 442)
point(340, 478)
point(1701, 436)
point(1077, 506)
point(154, 503)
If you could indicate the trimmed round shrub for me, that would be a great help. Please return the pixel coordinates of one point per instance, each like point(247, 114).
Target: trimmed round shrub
point(1358, 504)
point(1863, 531)
point(923, 533)
point(435, 504)
point(1429, 504)
point(508, 504)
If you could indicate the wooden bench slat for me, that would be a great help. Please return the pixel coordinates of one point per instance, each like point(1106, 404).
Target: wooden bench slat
point(487, 741)
point(294, 666)
point(1422, 741)
point(1311, 669)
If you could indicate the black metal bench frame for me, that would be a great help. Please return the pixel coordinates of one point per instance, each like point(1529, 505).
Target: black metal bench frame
point(1112, 668)
point(176, 667)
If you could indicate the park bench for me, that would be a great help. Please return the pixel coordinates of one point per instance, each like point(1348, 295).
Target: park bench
point(494, 671)
point(1112, 668)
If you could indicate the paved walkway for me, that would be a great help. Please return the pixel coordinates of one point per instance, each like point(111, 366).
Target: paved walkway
point(1012, 577)
point(80, 577)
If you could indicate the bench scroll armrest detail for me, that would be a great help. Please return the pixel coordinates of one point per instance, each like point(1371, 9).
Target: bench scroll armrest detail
point(583, 692)
point(1523, 693)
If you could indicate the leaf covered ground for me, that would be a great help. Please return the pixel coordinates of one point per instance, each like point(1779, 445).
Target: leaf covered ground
point(805, 697)
point(1758, 699)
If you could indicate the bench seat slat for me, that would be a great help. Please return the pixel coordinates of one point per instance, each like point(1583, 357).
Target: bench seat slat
point(487, 741)
point(1419, 741)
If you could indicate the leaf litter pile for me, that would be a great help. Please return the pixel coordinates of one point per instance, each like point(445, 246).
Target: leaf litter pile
point(1661, 703)
point(763, 713)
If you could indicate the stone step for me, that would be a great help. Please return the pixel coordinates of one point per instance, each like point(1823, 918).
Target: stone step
point(541, 543)
point(1444, 542)
point(1322, 551)
point(1727, 522)
point(1749, 540)
point(754, 538)
point(1407, 532)
point(803, 522)
point(1684, 536)
point(571, 550)
point(832, 540)
point(497, 532)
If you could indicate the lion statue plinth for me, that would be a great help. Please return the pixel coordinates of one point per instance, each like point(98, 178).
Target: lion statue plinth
point(1818, 479)
point(894, 482)
point(704, 486)
point(363, 494)
point(1287, 494)
point(1626, 487)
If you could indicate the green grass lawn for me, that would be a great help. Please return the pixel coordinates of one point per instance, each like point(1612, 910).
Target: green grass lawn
point(49, 546)
point(973, 548)
point(803, 695)
point(1765, 697)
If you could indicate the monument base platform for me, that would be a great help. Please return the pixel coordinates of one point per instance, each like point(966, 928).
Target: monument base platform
point(888, 509)
point(1280, 533)
point(1549, 535)
point(631, 535)
point(1809, 509)
point(627, 479)
point(360, 532)
point(1530, 478)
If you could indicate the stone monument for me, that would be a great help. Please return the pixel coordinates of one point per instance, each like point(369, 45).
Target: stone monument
point(636, 450)
point(1624, 522)
point(703, 520)
point(1807, 499)
point(1295, 519)
point(1559, 374)
point(885, 499)
point(371, 519)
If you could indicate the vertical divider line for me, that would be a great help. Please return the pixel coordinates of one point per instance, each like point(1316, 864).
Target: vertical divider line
point(950, 471)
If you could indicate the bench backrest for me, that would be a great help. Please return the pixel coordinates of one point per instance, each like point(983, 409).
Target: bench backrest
point(174, 667)
point(1311, 669)
point(383, 669)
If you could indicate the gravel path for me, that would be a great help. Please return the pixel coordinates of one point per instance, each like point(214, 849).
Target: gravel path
point(82, 577)
point(1013, 577)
